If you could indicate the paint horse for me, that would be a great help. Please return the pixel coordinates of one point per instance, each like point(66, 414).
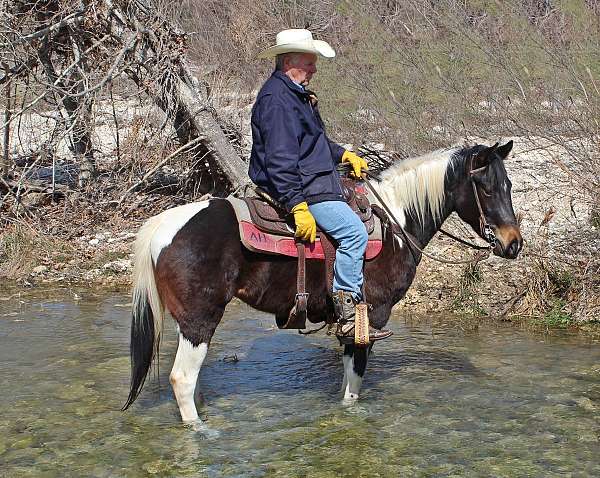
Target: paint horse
point(190, 261)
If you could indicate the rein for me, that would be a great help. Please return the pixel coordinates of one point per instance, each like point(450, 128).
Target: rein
point(486, 229)
point(488, 233)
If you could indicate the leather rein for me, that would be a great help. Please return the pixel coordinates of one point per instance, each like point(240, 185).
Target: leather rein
point(486, 229)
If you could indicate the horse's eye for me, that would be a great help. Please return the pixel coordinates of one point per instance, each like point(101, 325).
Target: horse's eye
point(484, 188)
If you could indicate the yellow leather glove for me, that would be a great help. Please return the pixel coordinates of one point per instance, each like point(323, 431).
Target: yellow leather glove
point(306, 227)
point(357, 163)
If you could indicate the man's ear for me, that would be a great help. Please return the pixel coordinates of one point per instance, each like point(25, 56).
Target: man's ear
point(504, 150)
point(482, 160)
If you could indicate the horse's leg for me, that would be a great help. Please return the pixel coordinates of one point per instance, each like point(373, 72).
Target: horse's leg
point(355, 364)
point(184, 376)
point(347, 361)
point(195, 333)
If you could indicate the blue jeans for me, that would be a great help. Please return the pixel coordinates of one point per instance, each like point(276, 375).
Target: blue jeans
point(340, 222)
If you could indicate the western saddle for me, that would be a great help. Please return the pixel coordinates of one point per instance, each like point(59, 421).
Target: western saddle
point(267, 227)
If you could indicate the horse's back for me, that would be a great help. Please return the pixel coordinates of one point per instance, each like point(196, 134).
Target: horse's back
point(197, 250)
point(197, 225)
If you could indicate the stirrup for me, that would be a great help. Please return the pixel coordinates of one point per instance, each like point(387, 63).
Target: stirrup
point(346, 334)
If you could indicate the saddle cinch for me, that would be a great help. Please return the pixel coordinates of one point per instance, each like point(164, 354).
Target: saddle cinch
point(268, 228)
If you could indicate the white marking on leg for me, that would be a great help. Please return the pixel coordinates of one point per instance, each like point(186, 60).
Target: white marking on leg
point(345, 360)
point(171, 221)
point(354, 381)
point(185, 374)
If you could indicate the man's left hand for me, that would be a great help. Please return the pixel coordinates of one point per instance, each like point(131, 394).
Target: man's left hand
point(358, 163)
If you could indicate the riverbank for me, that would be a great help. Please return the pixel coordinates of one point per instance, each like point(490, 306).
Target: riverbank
point(87, 240)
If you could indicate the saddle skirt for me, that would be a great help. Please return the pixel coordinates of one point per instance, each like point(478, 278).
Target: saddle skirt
point(270, 230)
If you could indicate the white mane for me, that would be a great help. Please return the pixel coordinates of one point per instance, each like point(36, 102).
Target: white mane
point(417, 184)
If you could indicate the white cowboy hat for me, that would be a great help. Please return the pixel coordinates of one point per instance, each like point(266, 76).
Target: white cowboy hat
point(298, 40)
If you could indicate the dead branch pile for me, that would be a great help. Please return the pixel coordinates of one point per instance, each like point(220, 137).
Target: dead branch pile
point(62, 60)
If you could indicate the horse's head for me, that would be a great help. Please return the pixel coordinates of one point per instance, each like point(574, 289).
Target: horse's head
point(486, 179)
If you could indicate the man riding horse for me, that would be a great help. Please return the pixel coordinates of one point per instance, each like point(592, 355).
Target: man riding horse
point(295, 163)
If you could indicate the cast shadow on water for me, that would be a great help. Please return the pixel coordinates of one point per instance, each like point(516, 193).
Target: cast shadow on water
point(287, 364)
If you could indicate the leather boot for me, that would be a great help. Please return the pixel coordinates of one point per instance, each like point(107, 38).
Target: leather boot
point(345, 309)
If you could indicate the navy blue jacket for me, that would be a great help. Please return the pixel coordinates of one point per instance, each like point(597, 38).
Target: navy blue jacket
point(292, 159)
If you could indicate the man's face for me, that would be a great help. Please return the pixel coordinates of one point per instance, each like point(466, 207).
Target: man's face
point(301, 67)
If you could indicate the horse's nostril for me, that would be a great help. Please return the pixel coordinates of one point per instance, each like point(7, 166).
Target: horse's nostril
point(513, 248)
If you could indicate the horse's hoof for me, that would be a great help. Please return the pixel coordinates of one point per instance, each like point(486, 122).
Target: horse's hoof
point(203, 429)
point(350, 399)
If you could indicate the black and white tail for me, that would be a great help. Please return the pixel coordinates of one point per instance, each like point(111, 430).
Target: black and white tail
point(147, 310)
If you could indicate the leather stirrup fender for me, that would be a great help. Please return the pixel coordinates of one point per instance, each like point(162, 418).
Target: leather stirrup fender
point(298, 315)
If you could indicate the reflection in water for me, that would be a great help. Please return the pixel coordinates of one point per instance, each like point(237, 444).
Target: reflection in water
point(436, 401)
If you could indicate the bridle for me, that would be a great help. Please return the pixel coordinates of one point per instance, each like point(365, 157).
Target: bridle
point(486, 230)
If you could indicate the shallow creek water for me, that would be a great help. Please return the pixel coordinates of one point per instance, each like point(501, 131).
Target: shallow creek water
point(438, 399)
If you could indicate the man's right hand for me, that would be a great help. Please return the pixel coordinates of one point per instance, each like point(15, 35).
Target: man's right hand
point(306, 227)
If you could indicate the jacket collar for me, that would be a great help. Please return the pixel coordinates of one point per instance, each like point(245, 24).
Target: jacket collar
point(306, 94)
point(289, 83)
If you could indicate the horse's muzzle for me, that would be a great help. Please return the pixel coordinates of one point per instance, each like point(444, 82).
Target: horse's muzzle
point(509, 242)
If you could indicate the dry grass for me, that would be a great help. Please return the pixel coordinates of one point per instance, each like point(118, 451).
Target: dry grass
point(22, 249)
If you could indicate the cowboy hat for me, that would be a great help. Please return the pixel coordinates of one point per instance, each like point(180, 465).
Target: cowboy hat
point(298, 40)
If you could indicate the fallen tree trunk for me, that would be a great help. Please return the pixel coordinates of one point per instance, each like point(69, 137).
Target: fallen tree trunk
point(193, 118)
point(179, 94)
point(119, 39)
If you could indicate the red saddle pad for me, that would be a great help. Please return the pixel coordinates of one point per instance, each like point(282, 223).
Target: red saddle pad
point(260, 241)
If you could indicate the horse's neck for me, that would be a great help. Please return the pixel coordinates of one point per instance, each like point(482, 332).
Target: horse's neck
point(425, 232)
point(421, 230)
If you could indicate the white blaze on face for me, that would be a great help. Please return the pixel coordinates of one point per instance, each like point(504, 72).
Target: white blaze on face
point(171, 221)
point(184, 375)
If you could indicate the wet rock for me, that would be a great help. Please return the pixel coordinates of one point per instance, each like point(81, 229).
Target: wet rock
point(74, 392)
point(157, 467)
point(25, 442)
point(586, 403)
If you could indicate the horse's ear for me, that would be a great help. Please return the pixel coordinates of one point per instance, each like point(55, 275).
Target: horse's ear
point(504, 150)
point(482, 159)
